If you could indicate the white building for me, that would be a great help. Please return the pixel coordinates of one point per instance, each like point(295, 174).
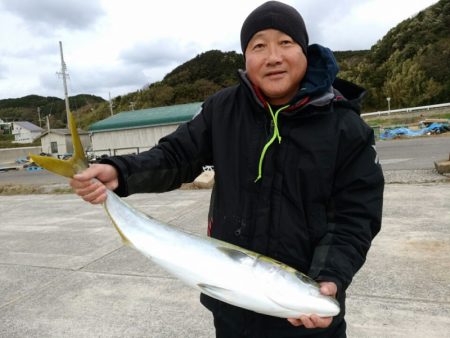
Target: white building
point(25, 132)
point(58, 142)
point(138, 130)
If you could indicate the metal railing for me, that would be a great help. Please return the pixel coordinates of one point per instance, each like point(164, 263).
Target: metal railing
point(407, 110)
point(115, 151)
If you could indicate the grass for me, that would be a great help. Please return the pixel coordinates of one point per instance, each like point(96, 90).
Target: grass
point(21, 189)
point(9, 143)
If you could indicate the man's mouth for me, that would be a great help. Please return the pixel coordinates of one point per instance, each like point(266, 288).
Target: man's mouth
point(275, 74)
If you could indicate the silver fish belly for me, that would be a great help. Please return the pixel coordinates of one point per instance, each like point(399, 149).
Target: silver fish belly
point(219, 269)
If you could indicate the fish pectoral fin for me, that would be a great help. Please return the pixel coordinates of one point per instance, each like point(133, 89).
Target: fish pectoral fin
point(236, 255)
point(218, 292)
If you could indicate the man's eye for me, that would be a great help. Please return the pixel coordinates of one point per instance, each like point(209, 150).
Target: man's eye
point(286, 42)
point(258, 46)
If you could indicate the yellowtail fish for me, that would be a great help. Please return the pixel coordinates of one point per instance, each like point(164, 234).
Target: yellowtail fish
point(221, 270)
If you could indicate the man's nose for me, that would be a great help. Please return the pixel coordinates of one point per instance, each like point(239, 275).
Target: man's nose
point(274, 54)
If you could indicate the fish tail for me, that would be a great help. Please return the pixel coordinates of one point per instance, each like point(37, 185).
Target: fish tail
point(76, 164)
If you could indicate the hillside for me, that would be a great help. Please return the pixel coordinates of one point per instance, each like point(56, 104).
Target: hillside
point(193, 81)
point(411, 65)
point(26, 108)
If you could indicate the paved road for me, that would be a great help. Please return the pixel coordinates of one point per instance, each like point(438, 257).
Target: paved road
point(402, 154)
point(414, 153)
point(30, 177)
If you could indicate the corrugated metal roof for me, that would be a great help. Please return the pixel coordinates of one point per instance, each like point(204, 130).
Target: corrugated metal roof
point(148, 117)
point(29, 126)
point(63, 132)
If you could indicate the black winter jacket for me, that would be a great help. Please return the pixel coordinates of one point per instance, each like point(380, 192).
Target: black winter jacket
point(318, 203)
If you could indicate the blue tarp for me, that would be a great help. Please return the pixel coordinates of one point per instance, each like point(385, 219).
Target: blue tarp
point(435, 128)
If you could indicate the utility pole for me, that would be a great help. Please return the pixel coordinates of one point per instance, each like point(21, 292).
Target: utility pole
point(64, 74)
point(110, 104)
point(39, 116)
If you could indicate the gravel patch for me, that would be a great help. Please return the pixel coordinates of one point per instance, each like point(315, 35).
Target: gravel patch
point(415, 176)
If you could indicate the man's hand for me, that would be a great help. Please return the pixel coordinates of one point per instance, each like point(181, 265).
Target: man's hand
point(314, 321)
point(92, 183)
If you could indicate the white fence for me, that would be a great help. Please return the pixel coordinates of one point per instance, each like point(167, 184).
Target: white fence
point(407, 110)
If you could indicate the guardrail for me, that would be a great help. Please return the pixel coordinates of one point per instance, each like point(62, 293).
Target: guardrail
point(407, 110)
point(116, 151)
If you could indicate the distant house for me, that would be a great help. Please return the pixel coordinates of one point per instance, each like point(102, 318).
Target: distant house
point(58, 142)
point(25, 132)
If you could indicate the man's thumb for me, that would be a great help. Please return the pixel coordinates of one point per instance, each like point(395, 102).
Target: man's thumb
point(87, 174)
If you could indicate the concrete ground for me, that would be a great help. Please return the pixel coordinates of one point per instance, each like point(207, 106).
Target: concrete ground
point(65, 273)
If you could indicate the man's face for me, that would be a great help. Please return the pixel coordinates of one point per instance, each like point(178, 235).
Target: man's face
point(276, 64)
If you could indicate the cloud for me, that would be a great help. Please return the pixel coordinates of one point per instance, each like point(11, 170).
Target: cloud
point(321, 24)
point(39, 51)
point(97, 80)
point(158, 53)
point(50, 14)
point(3, 70)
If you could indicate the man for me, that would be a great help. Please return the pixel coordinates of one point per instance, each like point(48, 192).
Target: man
point(297, 177)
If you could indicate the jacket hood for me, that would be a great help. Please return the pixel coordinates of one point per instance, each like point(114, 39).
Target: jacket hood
point(320, 73)
point(320, 84)
point(349, 94)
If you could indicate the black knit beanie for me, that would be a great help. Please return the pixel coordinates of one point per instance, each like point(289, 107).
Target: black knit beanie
point(276, 15)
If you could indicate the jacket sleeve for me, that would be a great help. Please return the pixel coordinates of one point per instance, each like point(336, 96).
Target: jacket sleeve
point(355, 208)
point(177, 158)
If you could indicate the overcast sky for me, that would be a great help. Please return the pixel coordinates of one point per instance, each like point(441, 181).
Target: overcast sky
point(117, 46)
